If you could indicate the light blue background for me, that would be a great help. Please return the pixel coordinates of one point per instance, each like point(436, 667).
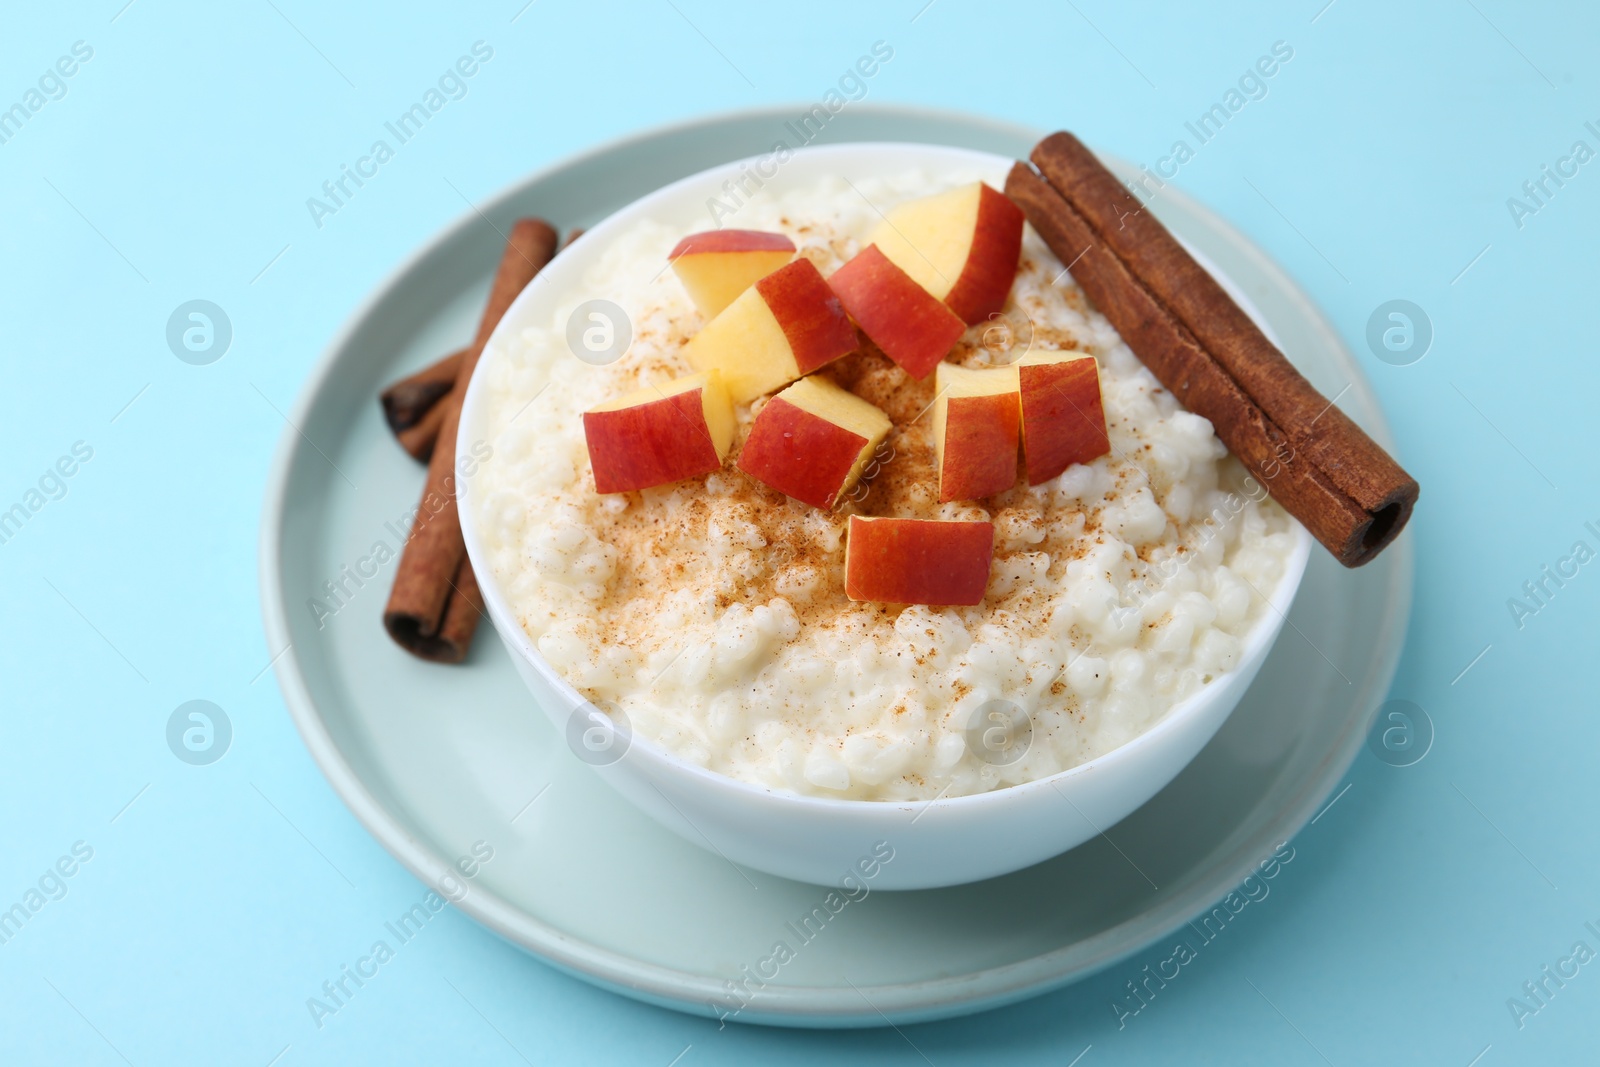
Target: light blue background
point(177, 167)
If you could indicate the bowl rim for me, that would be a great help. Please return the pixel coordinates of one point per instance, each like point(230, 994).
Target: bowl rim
point(1254, 647)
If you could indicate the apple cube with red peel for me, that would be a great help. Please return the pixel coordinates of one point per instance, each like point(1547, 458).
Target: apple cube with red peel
point(660, 434)
point(962, 246)
point(976, 421)
point(917, 561)
point(912, 326)
point(812, 441)
point(1063, 418)
point(781, 328)
point(718, 265)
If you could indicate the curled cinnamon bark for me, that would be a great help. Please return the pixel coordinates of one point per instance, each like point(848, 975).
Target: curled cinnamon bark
point(1316, 462)
point(1341, 449)
point(418, 440)
point(434, 606)
point(408, 401)
point(412, 405)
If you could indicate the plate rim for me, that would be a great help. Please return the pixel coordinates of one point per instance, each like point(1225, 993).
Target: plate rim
point(793, 1005)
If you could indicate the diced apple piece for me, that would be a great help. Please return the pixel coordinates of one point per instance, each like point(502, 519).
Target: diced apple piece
point(962, 246)
point(660, 434)
point(718, 265)
point(976, 418)
point(812, 441)
point(912, 326)
point(917, 561)
point(784, 327)
point(1063, 419)
point(810, 314)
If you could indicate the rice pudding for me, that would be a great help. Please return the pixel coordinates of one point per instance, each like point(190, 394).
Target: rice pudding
point(712, 611)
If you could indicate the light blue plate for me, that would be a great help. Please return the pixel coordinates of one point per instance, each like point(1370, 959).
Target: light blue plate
point(433, 759)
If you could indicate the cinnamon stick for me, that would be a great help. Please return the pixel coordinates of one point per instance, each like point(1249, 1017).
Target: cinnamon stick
point(408, 401)
point(411, 405)
point(1355, 462)
point(1174, 353)
point(461, 614)
point(419, 440)
point(430, 606)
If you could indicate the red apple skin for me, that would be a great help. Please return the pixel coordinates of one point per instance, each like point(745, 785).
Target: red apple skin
point(731, 241)
point(980, 447)
point(800, 454)
point(991, 265)
point(662, 441)
point(912, 326)
point(918, 561)
point(813, 320)
point(1063, 418)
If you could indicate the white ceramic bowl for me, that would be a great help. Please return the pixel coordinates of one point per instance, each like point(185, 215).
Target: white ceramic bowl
point(947, 841)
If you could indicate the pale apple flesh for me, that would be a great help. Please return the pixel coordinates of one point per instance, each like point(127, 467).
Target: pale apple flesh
point(746, 344)
point(812, 441)
point(976, 424)
point(962, 245)
point(918, 561)
point(782, 328)
point(660, 434)
point(718, 265)
point(912, 326)
point(1063, 416)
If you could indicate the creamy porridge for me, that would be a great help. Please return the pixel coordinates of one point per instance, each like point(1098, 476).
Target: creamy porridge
point(712, 611)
